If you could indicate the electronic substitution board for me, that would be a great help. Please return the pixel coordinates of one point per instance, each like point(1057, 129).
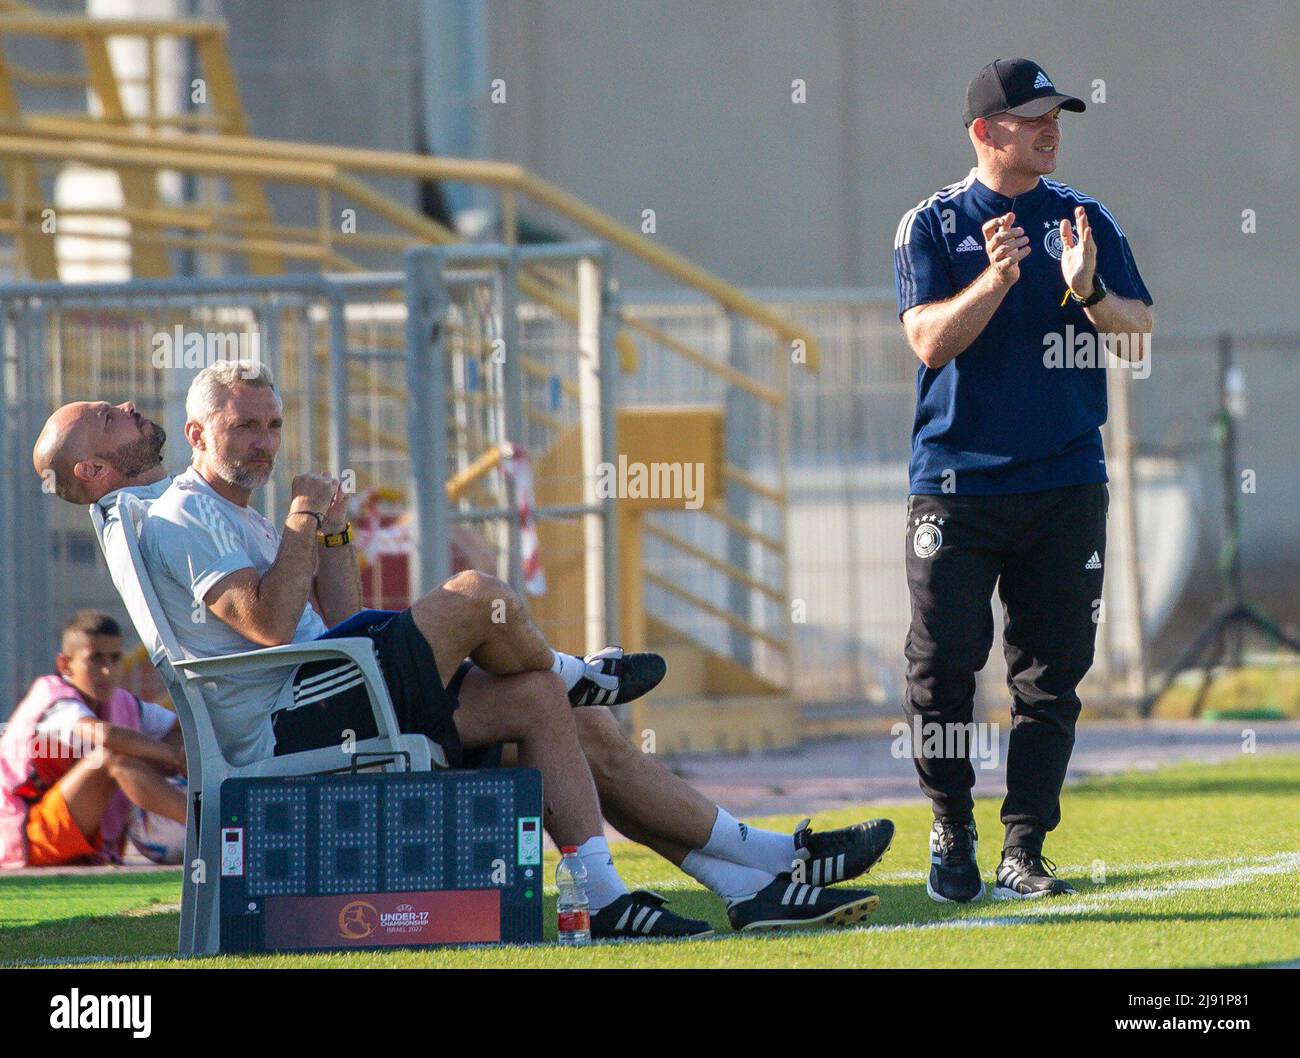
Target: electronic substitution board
point(371, 860)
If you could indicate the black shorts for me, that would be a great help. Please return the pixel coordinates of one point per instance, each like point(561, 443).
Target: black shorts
point(330, 698)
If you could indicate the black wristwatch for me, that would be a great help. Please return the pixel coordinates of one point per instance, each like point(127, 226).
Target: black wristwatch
point(1099, 291)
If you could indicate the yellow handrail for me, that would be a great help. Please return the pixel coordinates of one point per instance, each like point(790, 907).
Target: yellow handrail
point(724, 616)
point(75, 27)
point(721, 565)
point(502, 175)
point(482, 466)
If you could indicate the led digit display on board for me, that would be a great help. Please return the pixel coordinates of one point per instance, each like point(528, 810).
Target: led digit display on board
point(413, 818)
point(348, 815)
point(277, 841)
point(372, 859)
point(485, 827)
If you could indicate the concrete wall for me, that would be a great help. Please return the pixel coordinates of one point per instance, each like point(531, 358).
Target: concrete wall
point(329, 71)
point(685, 108)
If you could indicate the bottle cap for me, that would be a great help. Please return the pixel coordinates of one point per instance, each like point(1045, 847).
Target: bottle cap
point(566, 849)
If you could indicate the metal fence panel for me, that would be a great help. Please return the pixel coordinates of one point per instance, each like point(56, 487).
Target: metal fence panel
point(338, 349)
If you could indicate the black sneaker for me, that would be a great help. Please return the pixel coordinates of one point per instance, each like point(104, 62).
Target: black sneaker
point(838, 855)
point(614, 677)
point(787, 904)
point(640, 914)
point(954, 875)
point(1024, 875)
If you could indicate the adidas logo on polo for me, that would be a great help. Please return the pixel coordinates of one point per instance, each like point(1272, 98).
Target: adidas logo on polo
point(967, 244)
point(1041, 81)
point(1094, 562)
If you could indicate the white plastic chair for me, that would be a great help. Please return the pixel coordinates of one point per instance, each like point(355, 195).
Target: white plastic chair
point(205, 762)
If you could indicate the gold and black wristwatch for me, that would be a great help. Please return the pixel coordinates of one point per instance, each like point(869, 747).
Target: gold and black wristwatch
point(336, 539)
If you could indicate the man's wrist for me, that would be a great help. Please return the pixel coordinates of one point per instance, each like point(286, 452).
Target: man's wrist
point(316, 516)
point(996, 284)
point(1097, 291)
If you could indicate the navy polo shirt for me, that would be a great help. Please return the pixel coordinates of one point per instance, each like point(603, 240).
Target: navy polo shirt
point(997, 415)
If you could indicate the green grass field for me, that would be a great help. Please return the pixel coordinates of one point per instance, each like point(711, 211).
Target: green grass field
point(1195, 866)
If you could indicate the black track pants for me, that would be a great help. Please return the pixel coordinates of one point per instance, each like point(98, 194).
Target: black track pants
point(1045, 551)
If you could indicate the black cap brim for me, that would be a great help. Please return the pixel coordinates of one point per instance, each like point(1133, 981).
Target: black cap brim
point(1036, 108)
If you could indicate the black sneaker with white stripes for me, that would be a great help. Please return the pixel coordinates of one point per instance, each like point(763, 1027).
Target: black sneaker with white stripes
point(1024, 875)
point(641, 914)
point(614, 677)
point(787, 904)
point(954, 875)
point(838, 855)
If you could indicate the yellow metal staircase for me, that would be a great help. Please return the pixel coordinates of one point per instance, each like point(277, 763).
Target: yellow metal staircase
point(129, 129)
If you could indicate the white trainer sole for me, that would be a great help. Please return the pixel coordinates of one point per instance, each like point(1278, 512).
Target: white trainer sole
point(945, 900)
point(1003, 893)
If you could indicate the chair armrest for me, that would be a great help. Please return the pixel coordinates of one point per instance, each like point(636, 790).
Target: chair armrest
point(418, 746)
point(355, 649)
point(425, 755)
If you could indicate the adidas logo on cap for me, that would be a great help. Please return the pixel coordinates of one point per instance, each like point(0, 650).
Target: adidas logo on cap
point(967, 244)
point(1041, 81)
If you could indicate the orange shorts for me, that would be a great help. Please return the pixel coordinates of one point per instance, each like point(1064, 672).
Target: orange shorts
point(53, 837)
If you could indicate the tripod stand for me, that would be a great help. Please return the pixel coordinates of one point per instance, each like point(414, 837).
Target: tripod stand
point(1225, 633)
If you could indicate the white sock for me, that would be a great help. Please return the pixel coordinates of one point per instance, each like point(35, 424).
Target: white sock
point(730, 881)
point(604, 886)
point(568, 668)
point(737, 842)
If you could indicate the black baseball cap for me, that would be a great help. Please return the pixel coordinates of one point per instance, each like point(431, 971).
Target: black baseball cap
point(1014, 86)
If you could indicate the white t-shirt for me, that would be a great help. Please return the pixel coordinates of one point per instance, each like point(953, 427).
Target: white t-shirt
point(114, 547)
point(191, 539)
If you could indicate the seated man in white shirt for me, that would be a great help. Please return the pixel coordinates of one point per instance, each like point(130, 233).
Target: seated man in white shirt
point(214, 555)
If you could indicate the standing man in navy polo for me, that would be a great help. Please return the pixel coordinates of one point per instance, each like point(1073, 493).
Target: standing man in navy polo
point(1004, 279)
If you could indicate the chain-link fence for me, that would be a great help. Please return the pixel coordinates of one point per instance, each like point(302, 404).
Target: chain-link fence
point(850, 440)
point(355, 403)
point(818, 455)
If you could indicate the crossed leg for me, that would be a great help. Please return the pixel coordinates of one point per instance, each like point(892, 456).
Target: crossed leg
point(640, 797)
point(476, 615)
point(531, 709)
point(604, 773)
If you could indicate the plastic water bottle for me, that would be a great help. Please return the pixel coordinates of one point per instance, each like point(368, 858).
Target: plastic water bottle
point(571, 906)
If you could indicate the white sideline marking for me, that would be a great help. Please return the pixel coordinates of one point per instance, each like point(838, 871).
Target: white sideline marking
point(89, 960)
point(1096, 899)
point(1111, 868)
point(1099, 899)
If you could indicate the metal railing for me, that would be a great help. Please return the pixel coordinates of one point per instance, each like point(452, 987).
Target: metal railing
point(838, 576)
point(228, 224)
point(119, 95)
point(375, 372)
